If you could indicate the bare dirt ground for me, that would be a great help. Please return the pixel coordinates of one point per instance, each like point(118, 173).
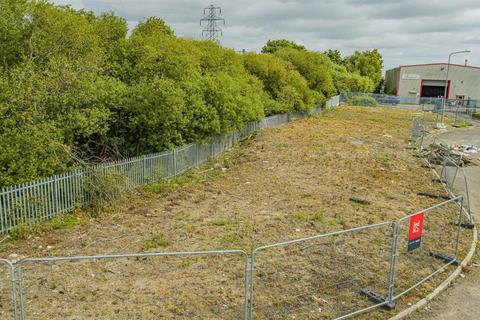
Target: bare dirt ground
point(282, 184)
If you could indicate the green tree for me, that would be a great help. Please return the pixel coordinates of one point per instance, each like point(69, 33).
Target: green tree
point(351, 82)
point(152, 112)
point(32, 144)
point(315, 67)
point(334, 55)
point(366, 63)
point(282, 82)
point(273, 46)
point(152, 27)
point(14, 31)
point(75, 86)
point(236, 100)
point(62, 31)
point(112, 34)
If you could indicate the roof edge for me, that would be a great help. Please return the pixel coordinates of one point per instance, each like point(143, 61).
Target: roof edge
point(436, 64)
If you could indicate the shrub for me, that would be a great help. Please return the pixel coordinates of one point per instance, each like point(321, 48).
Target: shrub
point(104, 188)
point(363, 101)
point(315, 67)
point(282, 82)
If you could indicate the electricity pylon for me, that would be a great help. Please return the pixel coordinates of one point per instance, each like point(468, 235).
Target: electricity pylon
point(212, 30)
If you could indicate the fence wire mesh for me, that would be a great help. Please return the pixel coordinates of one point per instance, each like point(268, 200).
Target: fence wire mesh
point(196, 285)
point(8, 293)
point(321, 277)
point(441, 157)
point(437, 249)
point(328, 276)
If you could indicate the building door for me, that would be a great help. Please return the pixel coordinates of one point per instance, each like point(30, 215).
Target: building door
point(434, 88)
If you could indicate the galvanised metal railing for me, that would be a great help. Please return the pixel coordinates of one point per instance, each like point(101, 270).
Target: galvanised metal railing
point(46, 198)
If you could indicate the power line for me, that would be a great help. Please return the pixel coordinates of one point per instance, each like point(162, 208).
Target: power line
point(212, 30)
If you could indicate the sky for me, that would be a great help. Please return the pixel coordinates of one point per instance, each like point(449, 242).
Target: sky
point(405, 31)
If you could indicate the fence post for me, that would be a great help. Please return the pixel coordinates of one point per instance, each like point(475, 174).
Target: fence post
point(144, 169)
point(444, 170)
point(174, 163)
point(420, 145)
point(55, 184)
point(393, 266)
point(21, 295)
point(14, 296)
point(468, 199)
point(459, 227)
point(252, 270)
point(196, 154)
point(430, 155)
point(456, 115)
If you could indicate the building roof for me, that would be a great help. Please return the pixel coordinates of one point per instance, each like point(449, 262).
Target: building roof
point(438, 63)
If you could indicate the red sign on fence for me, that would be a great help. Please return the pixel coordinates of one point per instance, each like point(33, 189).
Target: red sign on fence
point(415, 231)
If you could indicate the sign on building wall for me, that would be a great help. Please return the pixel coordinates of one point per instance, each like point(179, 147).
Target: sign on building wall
point(410, 76)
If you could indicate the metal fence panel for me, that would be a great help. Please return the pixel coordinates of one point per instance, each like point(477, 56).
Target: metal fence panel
point(186, 158)
point(438, 245)
point(321, 277)
point(182, 285)
point(8, 291)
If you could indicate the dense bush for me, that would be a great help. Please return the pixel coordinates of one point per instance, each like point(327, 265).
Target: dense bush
point(315, 67)
point(362, 101)
point(282, 82)
point(76, 88)
point(345, 81)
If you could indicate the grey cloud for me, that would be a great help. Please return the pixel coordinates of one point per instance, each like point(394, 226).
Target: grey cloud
point(405, 31)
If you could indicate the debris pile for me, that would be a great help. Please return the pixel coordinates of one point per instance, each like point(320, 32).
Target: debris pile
point(465, 153)
point(462, 155)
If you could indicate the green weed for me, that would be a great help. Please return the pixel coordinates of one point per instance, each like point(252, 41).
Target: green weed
point(219, 222)
point(25, 230)
point(383, 158)
point(157, 241)
point(308, 216)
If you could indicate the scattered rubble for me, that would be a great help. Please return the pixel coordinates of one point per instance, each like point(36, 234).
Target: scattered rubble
point(461, 155)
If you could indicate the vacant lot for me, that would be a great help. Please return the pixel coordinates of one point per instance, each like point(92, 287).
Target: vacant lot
point(282, 184)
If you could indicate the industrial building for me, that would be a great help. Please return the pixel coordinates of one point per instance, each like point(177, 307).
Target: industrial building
point(428, 80)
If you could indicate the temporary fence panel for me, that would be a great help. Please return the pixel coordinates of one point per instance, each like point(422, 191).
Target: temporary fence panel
point(449, 173)
point(8, 291)
point(426, 244)
point(321, 277)
point(417, 135)
point(446, 163)
point(456, 183)
point(183, 285)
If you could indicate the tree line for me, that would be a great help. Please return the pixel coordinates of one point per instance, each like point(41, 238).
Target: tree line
point(76, 87)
